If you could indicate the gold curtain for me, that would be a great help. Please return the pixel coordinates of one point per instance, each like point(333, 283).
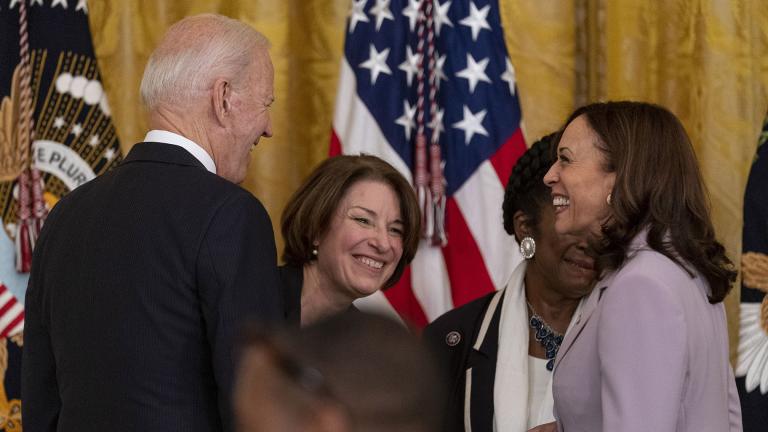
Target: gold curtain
point(706, 60)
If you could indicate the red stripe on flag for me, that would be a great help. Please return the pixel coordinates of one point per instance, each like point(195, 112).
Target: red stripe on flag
point(507, 155)
point(401, 297)
point(9, 304)
point(11, 325)
point(465, 265)
point(334, 149)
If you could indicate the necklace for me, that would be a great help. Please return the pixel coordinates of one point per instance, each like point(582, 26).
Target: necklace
point(545, 336)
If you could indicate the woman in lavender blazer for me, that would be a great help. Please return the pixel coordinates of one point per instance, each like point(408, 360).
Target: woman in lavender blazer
point(650, 349)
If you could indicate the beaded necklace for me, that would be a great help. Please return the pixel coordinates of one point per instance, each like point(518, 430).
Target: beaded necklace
point(546, 336)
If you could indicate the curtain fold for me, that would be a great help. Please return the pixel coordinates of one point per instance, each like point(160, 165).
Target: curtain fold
point(541, 40)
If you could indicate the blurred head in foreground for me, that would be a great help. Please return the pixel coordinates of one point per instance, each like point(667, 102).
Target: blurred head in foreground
point(351, 372)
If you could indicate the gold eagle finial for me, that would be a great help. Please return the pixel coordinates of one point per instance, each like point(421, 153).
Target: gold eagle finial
point(10, 108)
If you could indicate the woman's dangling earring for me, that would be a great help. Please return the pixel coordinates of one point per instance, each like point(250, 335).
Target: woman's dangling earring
point(527, 247)
point(314, 250)
point(608, 199)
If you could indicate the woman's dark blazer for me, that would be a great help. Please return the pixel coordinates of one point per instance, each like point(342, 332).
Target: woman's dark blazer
point(451, 338)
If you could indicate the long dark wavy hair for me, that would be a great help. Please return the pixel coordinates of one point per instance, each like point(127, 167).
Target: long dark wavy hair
point(658, 187)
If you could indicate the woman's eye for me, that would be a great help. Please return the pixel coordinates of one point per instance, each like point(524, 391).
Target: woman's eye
point(396, 231)
point(362, 220)
point(563, 159)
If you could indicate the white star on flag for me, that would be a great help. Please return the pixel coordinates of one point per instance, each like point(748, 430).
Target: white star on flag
point(94, 141)
point(14, 3)
point(471, 124)
point(406, 120)
point(382, 12)
point(109, 154)
point(379, 119)
point(509, 76)
point(411, 64)
point(412, 12)
point(436, 124)
point(58, 122)
point(36, 2)
point(439, 64)
point(441, 16)
point(357, 14)
point(477, 19)
point(377, 63)
point(474, 72)
point(81, 5)
point(63, 3)
point(77, 129)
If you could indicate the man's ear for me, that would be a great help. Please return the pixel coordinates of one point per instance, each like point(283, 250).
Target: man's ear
point(522, 225)
point(222, 100)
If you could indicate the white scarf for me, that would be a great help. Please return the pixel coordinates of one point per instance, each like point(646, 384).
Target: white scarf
point(510, 387)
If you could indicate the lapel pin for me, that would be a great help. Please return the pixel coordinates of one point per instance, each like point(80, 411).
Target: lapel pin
point(453, 338)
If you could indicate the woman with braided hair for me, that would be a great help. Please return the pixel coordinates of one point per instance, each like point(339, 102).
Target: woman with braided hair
point(498, 351)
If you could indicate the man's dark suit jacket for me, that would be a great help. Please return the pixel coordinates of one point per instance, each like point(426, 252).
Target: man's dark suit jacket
point(451, 338)
point(139, 282)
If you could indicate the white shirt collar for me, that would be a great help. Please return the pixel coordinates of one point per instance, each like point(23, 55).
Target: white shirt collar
point(193, 148)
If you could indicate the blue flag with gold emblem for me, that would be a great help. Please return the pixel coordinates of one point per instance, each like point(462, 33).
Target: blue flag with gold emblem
point(56, 133)
point(752, 365)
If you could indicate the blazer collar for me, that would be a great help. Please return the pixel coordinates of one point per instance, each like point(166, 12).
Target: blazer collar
point(480, 368)
point(487, 341)
point(590, 305)
point(161, 152)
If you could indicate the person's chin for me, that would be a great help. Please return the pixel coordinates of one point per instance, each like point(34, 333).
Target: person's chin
point(364, 289)
point(575, 228)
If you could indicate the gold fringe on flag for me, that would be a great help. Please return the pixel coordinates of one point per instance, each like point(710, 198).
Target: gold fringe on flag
point(754, 268)
point(754, 274)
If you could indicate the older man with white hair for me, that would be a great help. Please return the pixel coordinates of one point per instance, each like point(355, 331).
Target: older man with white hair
point(141, 277)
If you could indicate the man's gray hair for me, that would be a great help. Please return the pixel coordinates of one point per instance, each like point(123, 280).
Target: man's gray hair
point(193, 53)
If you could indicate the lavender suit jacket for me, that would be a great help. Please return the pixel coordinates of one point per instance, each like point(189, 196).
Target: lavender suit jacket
point(649, 353)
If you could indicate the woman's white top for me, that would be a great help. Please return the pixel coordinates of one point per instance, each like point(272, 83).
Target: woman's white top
point(538, 389)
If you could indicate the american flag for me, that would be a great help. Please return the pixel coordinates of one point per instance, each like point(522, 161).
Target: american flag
point(472, 111)
point(11, 313)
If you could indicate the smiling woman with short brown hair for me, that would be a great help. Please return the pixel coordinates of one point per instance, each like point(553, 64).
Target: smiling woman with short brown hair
point(350, 230)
